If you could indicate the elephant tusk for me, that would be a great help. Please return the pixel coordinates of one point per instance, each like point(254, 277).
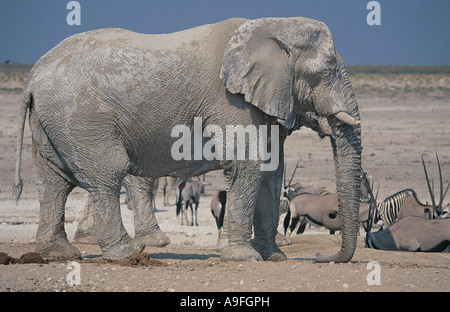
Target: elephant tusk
point(344, 117)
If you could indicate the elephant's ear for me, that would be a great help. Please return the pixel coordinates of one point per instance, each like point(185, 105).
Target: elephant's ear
point(258, 65)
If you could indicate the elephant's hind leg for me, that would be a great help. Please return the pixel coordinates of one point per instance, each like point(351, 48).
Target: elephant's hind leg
point(101, 172)
point(53, 189)
point(112, 237)
point(242, 182)
point(146, 226)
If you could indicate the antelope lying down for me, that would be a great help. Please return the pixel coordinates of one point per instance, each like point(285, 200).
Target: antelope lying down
point(412, 234)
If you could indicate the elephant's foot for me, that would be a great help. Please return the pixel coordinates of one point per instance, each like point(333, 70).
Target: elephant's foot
point(268, 250)
point(123, 249)
point(57, 249)
point(240, 253)
point(156, 239)
point(282, 240)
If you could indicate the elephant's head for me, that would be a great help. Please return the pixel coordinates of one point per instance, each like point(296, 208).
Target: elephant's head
point(289, 68)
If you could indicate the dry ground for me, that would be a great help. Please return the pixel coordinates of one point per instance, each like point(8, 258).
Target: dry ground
point(397, 129)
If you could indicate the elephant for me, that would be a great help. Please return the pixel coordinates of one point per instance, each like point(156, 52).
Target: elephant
point(109, 103)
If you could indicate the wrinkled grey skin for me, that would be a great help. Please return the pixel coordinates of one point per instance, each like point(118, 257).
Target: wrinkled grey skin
point(103, 104)
point(140, 192)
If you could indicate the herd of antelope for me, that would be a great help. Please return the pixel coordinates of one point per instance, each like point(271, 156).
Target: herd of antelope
point(404, 223)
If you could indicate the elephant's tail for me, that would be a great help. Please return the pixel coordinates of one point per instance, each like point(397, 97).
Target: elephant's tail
point(18, 183)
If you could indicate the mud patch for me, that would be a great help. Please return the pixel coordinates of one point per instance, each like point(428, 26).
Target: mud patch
point(4, 258)
point(136, 259)
point(29, 257)
point(141, 259)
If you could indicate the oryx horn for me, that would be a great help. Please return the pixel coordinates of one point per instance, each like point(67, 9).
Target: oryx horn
point(441, 186)
point(295, 169)
point(429, 187)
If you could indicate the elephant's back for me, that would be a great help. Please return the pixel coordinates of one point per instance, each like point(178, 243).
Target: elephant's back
point(127, 76)
point(117, 54)
point(125, 40)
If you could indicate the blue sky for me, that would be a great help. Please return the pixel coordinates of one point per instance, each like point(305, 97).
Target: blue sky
point(412, 32)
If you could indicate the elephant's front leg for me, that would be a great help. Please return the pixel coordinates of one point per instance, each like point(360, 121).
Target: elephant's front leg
point(146, 228)
point(267, 215)
point(242, 181)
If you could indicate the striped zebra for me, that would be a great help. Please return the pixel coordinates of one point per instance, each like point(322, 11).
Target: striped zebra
point(388, 209)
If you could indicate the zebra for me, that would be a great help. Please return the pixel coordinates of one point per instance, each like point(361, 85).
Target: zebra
point(388, 209)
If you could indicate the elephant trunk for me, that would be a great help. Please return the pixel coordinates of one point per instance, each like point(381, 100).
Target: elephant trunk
point(346, 142)
point(332, 220)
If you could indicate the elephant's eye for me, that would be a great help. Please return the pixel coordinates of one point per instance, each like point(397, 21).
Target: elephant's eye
point(326, 73)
